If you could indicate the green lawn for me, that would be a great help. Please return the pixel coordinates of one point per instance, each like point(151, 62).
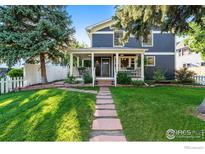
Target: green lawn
point(146, 113)
point(46, 115)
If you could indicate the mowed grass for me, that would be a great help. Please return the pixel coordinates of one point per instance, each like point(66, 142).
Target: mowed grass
point(147, 113)
point(46, 115)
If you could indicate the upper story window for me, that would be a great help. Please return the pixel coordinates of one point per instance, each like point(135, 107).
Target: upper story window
point(118, 35)
point(149, 41)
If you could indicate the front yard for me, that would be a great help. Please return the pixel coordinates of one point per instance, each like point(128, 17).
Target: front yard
point(60, 115)
point(147, 113)
point(46, 115)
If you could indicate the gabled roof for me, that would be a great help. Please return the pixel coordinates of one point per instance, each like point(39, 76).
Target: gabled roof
point(100, 25)
point(181, 45)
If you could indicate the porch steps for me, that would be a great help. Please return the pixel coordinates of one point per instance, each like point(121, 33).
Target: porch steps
point(104, 82)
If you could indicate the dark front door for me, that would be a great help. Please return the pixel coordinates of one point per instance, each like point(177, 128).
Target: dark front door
point(105, 67)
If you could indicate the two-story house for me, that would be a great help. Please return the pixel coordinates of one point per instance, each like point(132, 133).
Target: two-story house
point(108, 55)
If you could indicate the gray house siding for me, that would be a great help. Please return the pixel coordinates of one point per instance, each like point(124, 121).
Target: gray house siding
point(102, 40)
point(164, 62)
point(162, 43)
point(105, 29)
point(168, 44)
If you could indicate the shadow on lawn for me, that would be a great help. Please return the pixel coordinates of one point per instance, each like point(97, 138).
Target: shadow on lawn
point(46, 115)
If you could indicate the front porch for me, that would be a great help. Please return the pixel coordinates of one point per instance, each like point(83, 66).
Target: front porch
point(105, 64)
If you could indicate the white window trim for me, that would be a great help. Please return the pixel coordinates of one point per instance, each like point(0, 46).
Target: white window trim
point(154, 61)
point(114, 40)
point(151, 45)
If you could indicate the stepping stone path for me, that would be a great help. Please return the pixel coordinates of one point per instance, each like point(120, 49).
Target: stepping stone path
point(106, 125)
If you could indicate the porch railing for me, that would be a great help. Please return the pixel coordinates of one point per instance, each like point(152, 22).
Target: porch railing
point(136, 73)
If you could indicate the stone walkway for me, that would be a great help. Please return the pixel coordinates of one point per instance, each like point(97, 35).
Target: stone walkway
point(106, 125)
point(80, 90)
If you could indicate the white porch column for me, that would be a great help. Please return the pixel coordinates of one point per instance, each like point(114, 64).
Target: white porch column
point(71, 64)
point(117, 68)
point(117, 62)
point(82, 62)
point(78, 63)
point(92, 67)
point(142, 66)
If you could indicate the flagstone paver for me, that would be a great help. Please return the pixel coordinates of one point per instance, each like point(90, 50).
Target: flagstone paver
point(104, 101)
point(105, 107)
point(106, 125)
point(108, 138)
point(105, 113)
point(105, 97)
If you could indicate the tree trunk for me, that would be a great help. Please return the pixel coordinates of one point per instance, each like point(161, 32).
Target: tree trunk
point(43, 68)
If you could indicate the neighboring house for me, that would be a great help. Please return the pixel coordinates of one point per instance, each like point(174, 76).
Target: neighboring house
point(191, 60)
point(108, 55)
point(186, 58)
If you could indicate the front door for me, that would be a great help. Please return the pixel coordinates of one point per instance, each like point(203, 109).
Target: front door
point(105, 67)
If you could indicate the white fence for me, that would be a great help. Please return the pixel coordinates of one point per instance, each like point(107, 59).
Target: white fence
point(200, 80)
point(32, 73)
point(10, 84)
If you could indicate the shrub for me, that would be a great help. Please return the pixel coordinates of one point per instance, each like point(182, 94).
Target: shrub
point(71, 80)
point(137, 83)
point(15, 73)
point(87, 78)
point(183, 75)
point(158, 75)
point(123, 78)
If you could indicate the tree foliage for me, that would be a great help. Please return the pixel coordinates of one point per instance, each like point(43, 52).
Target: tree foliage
point(34, 32)
point(196, 38)
point(139, 20)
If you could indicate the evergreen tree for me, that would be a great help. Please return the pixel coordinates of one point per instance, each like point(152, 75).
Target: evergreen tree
point(139, 20)
point(34, 33)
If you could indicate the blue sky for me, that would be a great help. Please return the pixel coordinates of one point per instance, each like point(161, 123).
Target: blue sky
point(86, 15)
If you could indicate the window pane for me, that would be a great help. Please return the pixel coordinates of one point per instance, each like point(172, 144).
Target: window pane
point(148, 41)
point(124, 63)
point(118, 36)
point(150, 61)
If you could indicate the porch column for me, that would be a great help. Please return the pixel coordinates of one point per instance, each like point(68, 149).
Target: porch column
point(82, 62)
point(117, 68)
point(78, 62)
point(71, 64)
point(92, 67)
point(142, 66)
point(117, 62)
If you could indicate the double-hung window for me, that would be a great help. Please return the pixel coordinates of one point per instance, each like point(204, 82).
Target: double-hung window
point(148, 42)
point(118, 35)
point(150, 60)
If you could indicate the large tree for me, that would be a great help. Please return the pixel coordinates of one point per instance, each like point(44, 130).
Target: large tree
point(196, 38)
point(34, 33)
point(139, 20)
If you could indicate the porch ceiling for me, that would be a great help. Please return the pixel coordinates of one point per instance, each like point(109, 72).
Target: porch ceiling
point(107, 50)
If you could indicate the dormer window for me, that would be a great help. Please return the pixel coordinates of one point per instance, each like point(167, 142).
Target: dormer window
point(149, 41)
point(118, 35)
